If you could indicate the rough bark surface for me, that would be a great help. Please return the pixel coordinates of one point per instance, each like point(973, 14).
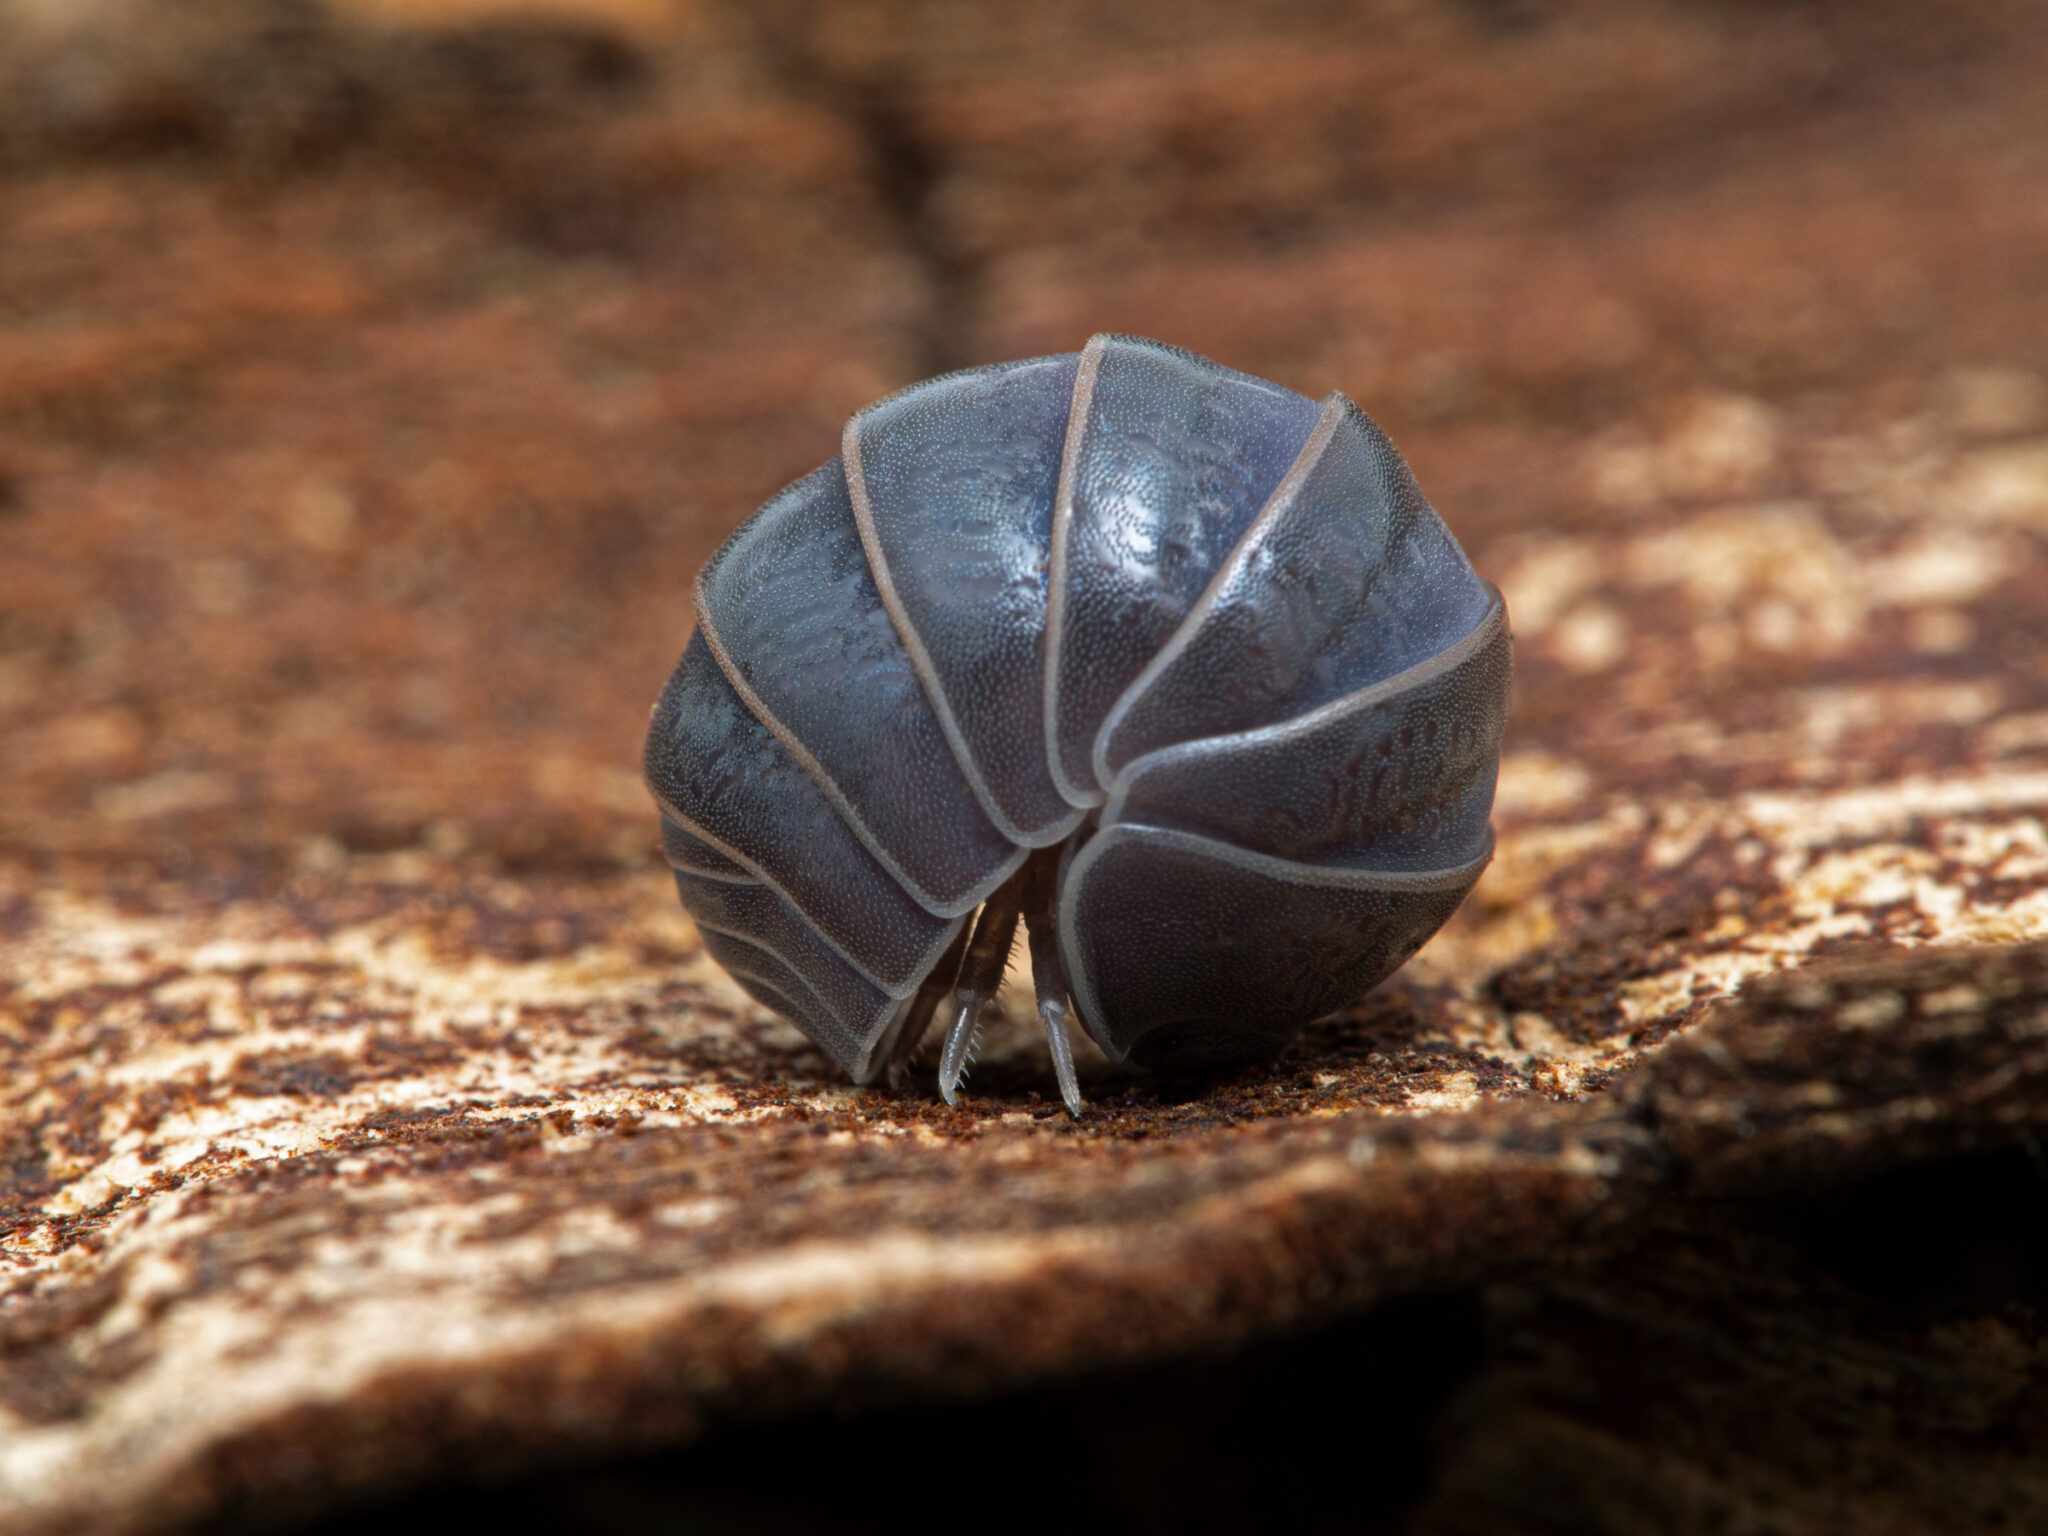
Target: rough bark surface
point(373, 380)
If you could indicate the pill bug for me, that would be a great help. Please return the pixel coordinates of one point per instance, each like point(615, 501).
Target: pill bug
point(1173, 664)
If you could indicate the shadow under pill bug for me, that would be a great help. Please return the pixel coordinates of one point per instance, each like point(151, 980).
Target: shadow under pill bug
point(1172, 665)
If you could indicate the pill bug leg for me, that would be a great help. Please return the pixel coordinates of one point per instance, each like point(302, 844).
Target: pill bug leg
point(1041, 922)
point(1031, 896)
point(917, 1018)
point(981, 975)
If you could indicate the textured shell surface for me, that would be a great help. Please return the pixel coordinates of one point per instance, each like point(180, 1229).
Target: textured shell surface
point(1194, 638)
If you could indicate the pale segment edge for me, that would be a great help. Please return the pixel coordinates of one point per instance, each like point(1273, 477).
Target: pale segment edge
point(1282, 497)
point(1452, 656)
point(975, 895)
point(1056, 568)
point(1081, 982)
point(781, 959)
point(922, 967)
point(874, 1049)
point(920, 655)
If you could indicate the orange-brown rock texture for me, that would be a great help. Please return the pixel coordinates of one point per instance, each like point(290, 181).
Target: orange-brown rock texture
point(373, 379)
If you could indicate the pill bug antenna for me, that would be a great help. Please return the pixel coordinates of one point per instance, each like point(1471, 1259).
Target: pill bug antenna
point(1041, 891)
point(981, 975)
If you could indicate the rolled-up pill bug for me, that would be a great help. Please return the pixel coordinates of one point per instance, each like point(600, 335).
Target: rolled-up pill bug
point(1170, 663)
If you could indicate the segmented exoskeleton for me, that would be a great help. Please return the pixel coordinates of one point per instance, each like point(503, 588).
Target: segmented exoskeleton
point(1174, 664)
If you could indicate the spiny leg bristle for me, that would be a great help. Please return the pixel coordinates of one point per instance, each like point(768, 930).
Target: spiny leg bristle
point(958, 1053)
point(981, 974)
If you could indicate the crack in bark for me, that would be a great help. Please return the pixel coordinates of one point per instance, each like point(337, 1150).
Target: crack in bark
point(907, 177)
point(906, 171)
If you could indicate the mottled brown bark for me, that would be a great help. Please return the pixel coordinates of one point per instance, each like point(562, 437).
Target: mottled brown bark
point(371, 388)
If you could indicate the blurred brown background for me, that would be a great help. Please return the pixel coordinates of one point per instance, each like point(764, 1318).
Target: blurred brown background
point(374, 376)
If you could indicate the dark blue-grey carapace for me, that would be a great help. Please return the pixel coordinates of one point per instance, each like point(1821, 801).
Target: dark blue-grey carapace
point(1174, 665)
